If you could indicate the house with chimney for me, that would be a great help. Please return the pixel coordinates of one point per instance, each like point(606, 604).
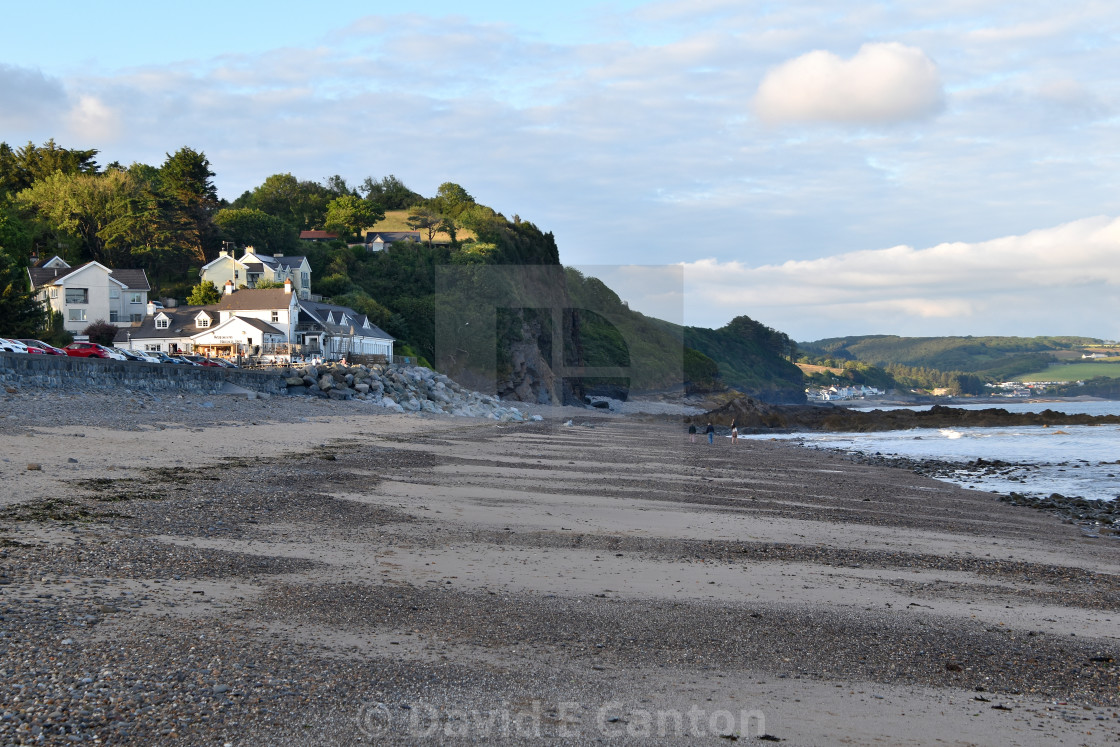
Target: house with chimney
point(255, 267)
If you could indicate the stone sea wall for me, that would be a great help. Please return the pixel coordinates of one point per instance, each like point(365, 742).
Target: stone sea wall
point(57, 372)
point(396, 388)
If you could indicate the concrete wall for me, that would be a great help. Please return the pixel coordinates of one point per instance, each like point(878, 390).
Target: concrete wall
point(56, 372)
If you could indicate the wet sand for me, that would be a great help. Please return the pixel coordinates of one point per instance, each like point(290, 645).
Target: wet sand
point(292, 572)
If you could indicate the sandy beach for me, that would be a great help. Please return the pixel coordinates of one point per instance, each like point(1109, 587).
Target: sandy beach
point(218, 570)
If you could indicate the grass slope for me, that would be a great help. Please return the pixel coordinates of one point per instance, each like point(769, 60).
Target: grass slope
point(1074, 372)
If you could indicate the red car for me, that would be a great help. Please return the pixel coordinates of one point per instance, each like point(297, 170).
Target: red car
point(86, 350)
point(39, 346)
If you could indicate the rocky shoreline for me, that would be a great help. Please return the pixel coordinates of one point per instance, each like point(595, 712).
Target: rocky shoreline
point(1095, 516)
point(398, 389)
point(754, 416)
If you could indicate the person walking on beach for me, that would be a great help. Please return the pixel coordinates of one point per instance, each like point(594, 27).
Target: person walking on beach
point(734, 433)
point(692, 432)
point(711, 431)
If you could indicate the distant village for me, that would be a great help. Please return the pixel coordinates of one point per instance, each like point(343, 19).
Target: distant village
point(280, 321)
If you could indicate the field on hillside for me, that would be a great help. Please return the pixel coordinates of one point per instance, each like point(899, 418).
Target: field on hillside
point(1074, 372)
point(809, 369)
point(397, 220)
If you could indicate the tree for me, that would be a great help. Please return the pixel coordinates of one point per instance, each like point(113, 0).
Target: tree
point(21, 314)
point(256, 228)
point(84, 205)
point(21, 168)
point(348, 215)
point(263, 284)
point(428, 221)
point(451, 200)
point(204, 294)
point(187, 181)
point(302, 205)
point(101, 332)
point(15, 234)
point(389, 193)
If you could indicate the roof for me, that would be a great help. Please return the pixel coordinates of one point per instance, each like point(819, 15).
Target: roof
point(136, 280)
point(249, 299)
point(182, 323)
point(317, 313)
point(262, 325)
point(317, 235)
point(390, 236)
point(131, 279)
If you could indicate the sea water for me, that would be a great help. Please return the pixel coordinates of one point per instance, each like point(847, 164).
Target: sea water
point(1074, 460)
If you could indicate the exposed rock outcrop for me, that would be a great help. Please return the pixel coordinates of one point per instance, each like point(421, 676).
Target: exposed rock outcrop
point(748, 413)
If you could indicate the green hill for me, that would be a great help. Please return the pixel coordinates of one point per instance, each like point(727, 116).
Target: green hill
point(993, 358)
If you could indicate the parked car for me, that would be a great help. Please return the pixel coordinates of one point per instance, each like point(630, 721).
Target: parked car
point(147, 356)
point(135, 355)
point(224, 363)
point(184, 360)
point(12, 346)
point(199, 360)
point(162, 357)
point(86, 350)
point(45, 347)
point(115, 353)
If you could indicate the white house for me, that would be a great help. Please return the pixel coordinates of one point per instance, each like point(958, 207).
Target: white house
point(168, 330)
point(254, 267)
point(90, 293)
point(339, 332)
point(377, 241)
point(261, 321)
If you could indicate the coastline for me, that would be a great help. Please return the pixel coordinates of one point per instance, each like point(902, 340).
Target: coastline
point(289, 570)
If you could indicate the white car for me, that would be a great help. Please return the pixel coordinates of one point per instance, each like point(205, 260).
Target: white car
point(114, 353)
point(12, 346)
point(148, 357)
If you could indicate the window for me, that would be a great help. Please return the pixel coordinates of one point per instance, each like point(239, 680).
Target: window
point(135, 318)
point(276, 316)
point(114, 317)
point(114, 292)
point(136, 298)
point(54, 292)
point(77, 315)
point(154, 348)
point(77, 295)
point(305, 279)
point(162, 322)
point(203, 321)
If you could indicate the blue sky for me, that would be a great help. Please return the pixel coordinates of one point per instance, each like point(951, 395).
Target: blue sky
point(825, 167)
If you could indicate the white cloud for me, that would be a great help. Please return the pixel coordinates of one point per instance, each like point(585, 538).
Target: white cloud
point(92, 121)
point(1065, 277)
point(882, 83)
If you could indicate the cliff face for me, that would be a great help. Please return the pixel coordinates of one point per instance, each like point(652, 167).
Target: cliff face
point(525, 365)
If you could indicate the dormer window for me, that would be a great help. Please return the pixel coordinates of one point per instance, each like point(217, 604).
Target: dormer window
point(202, 321)
point(162, 322)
